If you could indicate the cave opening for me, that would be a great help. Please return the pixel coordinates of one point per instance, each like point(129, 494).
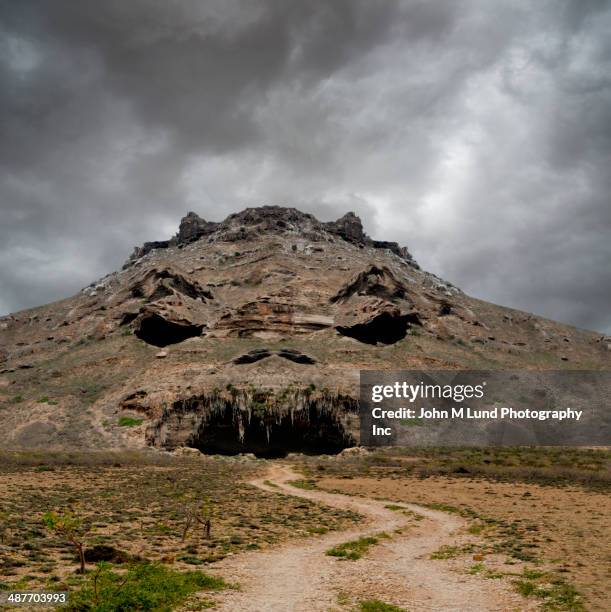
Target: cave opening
point(310, 431)
point(156, 330)
point(385, 328)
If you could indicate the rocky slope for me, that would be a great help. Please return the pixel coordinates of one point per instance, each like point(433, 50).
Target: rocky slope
point(248, 335)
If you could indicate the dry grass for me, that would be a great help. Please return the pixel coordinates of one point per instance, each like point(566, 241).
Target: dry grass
point(138, 504)
point(549, 536)
point(590, 468)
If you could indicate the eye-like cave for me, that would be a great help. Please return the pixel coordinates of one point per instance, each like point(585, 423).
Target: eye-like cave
point(385, 328)
point(311, 432)
point(156, 330)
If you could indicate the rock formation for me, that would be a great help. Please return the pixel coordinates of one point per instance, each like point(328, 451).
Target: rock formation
point(264, 320)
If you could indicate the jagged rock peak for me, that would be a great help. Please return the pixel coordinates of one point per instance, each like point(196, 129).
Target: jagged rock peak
point(251, 222)
point(192, 227)
point(349, 227)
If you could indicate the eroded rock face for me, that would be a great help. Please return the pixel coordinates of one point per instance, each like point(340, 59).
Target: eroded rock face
point(159, 283)
point(265, 423)
point(268, 313)
point(263, 353)
point(374, 307)
point(267, 316)
point(374, 281)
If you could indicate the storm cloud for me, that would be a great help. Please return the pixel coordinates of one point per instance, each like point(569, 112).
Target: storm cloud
point(476, 133)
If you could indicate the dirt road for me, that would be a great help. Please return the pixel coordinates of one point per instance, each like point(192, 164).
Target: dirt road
point(298, 576)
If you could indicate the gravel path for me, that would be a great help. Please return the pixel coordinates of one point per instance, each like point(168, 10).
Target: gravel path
point(299, 577)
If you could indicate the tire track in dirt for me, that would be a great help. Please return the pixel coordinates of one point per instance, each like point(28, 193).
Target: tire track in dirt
point(299, 577)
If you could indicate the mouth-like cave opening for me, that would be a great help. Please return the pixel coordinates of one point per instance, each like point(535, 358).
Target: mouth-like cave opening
point(309, 431)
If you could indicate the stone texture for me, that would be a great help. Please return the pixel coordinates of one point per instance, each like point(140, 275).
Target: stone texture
point(269, 313)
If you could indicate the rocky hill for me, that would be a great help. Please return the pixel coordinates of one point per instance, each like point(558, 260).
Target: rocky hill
point(248, 335)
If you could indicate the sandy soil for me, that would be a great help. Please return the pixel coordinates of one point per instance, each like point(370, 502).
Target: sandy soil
point(300, 577)
point(568, 526)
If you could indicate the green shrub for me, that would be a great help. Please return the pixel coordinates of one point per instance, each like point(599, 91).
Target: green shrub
point(556, 593)
point(354, 549)
point(307, 484)
point(375, 605)
point(129, 422)
point(145, 586)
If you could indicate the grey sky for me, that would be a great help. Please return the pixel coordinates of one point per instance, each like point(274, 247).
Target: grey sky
point(477, 133)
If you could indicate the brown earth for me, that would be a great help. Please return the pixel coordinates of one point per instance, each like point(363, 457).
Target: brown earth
point(139, 506)
point(566, 530)
point(301, 577)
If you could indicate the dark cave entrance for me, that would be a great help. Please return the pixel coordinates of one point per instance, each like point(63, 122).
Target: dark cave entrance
point(156, 330)
point(267, 435)
point(385, 328)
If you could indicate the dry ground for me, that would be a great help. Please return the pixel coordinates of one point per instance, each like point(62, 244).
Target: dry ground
point(483, 536)
point(300, 577)
point(561, 530)
point(141, 509)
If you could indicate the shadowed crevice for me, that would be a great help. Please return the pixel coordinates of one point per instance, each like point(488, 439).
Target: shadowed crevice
point(385, 328)
point(156, 330)
point(270, 435)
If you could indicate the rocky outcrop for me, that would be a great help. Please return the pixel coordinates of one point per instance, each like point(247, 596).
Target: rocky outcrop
point(253, 222)
point(268, 316)
point(145, 249)
point(348, 227)
point(193, 227)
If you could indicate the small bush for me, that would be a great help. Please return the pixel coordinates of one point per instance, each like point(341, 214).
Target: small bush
point(145, 586)
point(129, 422)
point(556, 593)
point(354, 549)
point(375, 605)
point(308, 484)
point(448, 552)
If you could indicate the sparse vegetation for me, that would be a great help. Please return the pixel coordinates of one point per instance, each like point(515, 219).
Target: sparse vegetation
point(355, 549)
point(375, 605)
point(129, 422)
point(71, 528)
point(589, 468)
point(98, 488)
point(556, 592)
point(145, 586)
point(307, 484)
point(451, 552)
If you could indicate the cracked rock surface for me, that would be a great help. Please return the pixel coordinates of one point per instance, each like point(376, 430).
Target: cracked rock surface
point(264, 321)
